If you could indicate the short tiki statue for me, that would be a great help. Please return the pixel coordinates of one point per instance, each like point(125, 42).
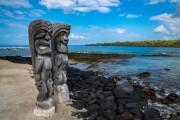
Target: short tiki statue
point(60, 60)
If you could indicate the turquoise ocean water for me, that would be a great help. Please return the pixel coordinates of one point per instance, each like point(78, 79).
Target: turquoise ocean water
point(156, 65)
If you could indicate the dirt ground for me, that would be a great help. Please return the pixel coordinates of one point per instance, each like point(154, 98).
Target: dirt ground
point(18, 95)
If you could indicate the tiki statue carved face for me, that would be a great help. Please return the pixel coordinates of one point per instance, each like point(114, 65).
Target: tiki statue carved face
point(42, 43)
point(62, 41)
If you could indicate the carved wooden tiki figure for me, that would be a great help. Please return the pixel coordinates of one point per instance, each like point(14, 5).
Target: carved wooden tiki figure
point(40, 35)
point(60, 60)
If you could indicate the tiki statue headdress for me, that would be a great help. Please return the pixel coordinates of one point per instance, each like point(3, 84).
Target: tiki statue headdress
point(60, 37)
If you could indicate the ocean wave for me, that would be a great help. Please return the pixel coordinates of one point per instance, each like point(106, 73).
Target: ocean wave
point(13, 48)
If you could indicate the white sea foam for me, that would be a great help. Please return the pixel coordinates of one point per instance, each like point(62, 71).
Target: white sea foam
point(81, 66)
point(165, 110)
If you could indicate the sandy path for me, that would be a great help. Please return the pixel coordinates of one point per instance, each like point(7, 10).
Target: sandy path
point(18, 95)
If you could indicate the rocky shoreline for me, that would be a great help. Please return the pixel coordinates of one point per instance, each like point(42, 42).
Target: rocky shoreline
point(111, 98)
point(114, 98)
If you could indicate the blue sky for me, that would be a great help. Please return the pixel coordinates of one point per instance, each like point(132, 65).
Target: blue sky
point(93, 21)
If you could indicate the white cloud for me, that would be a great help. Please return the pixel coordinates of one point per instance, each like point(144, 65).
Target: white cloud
point(161, 29)
point(75, 36)
point(11, 14)
point(129, 15)
point(117, 30)
point(82, 9)
point(21, 15)
point(103, 6)
point(23, 36)
point(7, 13)
point(64, 4)
point(19, 12)
point(36, 13)
point(13, 24)
point(87, 3)
point(114, 3)
point(120, 31)
point(153, 2)
point(16, 3)
point(104, 9)
point(171, 22)
point(88, 9)
point(123, 33)
point(132, 16)
point(162, 17)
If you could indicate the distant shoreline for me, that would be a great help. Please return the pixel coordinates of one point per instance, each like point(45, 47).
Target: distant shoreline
point(133, 46)
point(153, 43)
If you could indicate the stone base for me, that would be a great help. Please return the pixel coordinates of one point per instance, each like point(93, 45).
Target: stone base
point(44, 113)
point(62, 93)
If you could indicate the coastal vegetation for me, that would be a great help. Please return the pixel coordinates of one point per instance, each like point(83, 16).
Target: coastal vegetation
point(150, 43)
point(95, 57)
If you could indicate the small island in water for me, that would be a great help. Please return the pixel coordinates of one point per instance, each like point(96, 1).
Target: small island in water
point(148, 43)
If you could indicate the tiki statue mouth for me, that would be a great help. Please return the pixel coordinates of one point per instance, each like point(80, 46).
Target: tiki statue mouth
point(43, 45)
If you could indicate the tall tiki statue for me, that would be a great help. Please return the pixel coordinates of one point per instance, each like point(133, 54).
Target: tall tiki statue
point(60, 60)
point(40, 35)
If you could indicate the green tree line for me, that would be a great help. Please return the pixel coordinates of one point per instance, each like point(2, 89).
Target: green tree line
point(152, 43)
